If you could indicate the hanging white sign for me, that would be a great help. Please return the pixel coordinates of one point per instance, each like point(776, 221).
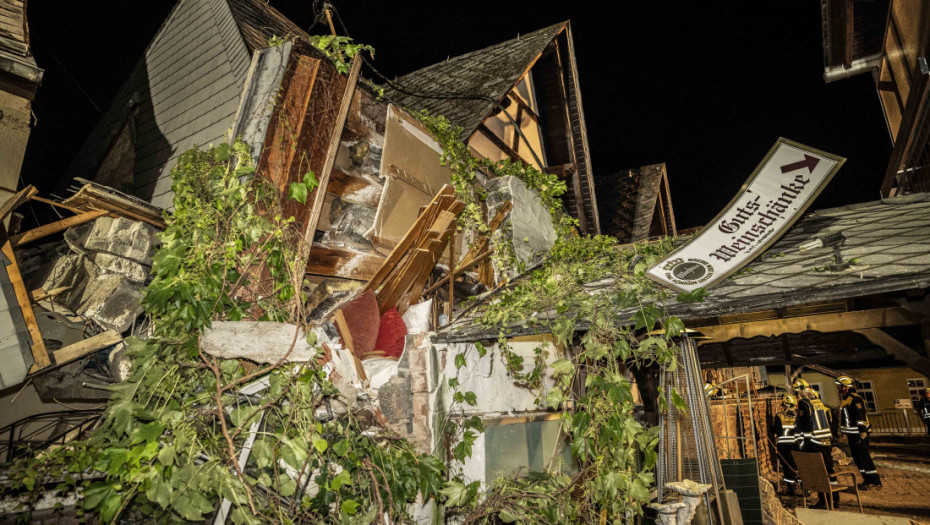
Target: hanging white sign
point(782, 186)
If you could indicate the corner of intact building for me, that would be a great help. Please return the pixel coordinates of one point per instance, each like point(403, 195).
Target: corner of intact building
point(19, 78)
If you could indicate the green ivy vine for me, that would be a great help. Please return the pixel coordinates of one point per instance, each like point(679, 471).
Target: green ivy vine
point(168, 446)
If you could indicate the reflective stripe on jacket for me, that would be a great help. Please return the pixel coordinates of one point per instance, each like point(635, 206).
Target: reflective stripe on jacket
point(854, 417)
point(784, 428)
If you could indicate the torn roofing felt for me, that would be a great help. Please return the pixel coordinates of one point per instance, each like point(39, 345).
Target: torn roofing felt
point(889, 241)
point(209, 44)
point(490, 72)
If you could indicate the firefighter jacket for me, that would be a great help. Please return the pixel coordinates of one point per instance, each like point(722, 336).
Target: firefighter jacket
point(813, 423)
point(854, 416)
point(923, 408)
point(783, 428)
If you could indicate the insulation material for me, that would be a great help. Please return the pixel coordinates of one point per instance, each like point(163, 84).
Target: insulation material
point(411, 162)
point(349, 228)
point(417, 317)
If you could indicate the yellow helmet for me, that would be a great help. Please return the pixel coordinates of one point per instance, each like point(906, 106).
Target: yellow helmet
point(789, 401)
point(845, 381)
point(800, 384)
point(711, 390)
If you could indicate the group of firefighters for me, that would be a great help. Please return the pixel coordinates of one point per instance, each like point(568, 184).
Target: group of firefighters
point(805, 425)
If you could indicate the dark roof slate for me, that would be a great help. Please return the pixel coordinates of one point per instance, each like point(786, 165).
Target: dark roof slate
point(890, 239)
point(490, 72)
point(258, 22)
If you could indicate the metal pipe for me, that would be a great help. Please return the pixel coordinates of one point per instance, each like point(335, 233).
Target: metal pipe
point(857, 67)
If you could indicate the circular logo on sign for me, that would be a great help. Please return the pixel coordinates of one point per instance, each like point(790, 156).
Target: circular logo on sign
point(691, 271)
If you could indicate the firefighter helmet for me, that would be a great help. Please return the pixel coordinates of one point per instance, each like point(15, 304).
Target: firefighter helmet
point(801, 384)
point(711, 390)
point(845, 381)
point(789, 401)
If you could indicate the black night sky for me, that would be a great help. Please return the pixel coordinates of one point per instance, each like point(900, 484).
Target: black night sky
point(706, 87)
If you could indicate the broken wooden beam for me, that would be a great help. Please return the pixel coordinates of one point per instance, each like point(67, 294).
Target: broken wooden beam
point(17, 200)
point(39, 353)
point(87, 346)
point(339, 319)
point(55, 227)
point(413, 233)
point(343, 263)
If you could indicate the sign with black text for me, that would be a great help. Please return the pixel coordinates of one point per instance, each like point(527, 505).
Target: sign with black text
point(784, 184)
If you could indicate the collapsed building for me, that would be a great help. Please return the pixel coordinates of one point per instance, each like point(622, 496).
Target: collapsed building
point(380, 225)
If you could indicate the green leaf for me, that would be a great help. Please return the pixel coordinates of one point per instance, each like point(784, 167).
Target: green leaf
point(507, 517)
point(695, 296)
point(678, 401)
point(320, 444)
point(110, 507)
point(167, 455)
point(459, 360)
point(563, 367)
point(298, 192)
point(341, 448)
point(471, 398)
point(310, 180)
point(453, 382)
point(262, 453)
point(458, 397)
point(481, 349)
point(148, 432)
point(159, 492)
point(673, 327)
point(222, 152)
point(349, 507)
point(241, 414)
point(288, 486)
point(455, 493)
point(343, 478)
point(554, 397)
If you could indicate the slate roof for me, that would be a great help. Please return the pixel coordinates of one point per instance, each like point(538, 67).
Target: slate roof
point(890, 239)
point(185, 90)
point(490, 72)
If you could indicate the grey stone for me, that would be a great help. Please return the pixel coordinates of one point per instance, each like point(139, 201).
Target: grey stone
point(133, 240)
point(112, 301)
point(529, 226)
point(131, 270)
point(259, 341)
point(395, 400)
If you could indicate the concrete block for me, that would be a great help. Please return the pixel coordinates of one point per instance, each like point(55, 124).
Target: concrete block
point(112, 301)
point(259, 341)
point(529, 227)
point(117, 236)
point(131, 270)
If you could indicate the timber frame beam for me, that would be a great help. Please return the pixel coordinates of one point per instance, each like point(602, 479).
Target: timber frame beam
point(831, 322)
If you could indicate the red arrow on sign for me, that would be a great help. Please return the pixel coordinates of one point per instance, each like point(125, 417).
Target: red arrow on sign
point(809, 162)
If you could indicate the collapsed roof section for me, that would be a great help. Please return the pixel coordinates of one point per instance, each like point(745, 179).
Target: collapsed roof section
point(887, 244)
point(529, 82)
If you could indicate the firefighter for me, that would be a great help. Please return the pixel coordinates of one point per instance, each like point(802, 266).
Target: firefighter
point(812, 431)
point(923, 407)
point(854, 423)
point(712, 391)
point(783, 428)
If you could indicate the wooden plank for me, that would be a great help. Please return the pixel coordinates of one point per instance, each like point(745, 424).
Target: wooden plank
point(481, 244)
point(39, 294)
point(323, 176)
point(87, 346)
point(444, 221)
point(451, 302)
point(39, 353)
point(419, 260)
point(835, 322)
point(63, 206)
point(344, 263)
point(405, 243)
point(17, 200)
point(339, 319)
point(55, 227)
